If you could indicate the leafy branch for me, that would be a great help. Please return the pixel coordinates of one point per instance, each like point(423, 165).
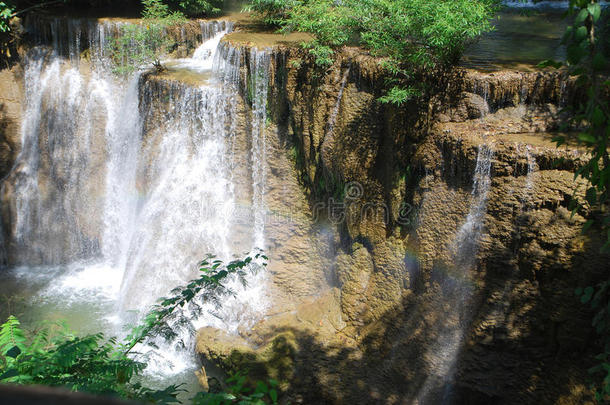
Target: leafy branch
point(144, 42)
point(6, 13)
point(587, 63)
point(208, 287)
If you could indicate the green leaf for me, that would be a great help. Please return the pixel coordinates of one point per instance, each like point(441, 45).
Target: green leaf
point(9, 374)
point(581, 17)
point(273, 395)
point(261, 387)
point(549, 63)
point(578, 291)
point(587, 138)
point(559, 140)
point(586, 297)
point(581, 34)
point(13, 352)
point(595, 11)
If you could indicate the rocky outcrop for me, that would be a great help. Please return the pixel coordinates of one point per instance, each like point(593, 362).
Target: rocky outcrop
point(397, 185)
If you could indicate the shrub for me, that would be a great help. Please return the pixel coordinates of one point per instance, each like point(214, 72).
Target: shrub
point(412, 36)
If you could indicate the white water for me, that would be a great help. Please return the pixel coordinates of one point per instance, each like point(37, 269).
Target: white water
point(122, 187)
point(332, 120)
point(532, 167)
point(259, 71)
point(204, 56)
point(468, 237)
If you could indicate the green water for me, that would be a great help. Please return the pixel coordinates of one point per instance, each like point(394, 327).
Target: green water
point(521, 39)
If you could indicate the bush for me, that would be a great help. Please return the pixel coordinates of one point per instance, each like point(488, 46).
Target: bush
point(196, 7)
point(412, 36)
point(6, 12)
point(144, 43)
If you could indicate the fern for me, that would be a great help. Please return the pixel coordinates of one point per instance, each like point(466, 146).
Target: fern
point(11, 335)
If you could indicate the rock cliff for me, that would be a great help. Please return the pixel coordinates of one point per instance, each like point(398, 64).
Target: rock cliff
point(445, 274)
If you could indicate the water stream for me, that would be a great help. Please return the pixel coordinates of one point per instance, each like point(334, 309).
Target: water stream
point(458, 290)
point(124, 185)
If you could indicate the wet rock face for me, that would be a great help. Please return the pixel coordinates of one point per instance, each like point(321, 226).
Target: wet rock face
point(508, 328)
point(11, 98)
point(469, 106)
point(526, 323)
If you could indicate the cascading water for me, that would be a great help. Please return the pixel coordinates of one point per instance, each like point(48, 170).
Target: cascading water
point(442, 356)
point(123, 186)
point(203, 57)
point(468, 237)
point(532, 166)
point(259, 86)
point(332, 120)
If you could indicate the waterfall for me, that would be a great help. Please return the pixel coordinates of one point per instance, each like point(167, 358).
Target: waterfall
point(57, 173)
point(123, 185)
point(482, 90)
point(532, 166)
point(204, 56)
point(332, 120)
point(259, 87)
point(443, 354)
point(468, 237)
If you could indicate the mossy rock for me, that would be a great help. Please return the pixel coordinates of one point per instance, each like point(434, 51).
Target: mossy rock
point(232, 354)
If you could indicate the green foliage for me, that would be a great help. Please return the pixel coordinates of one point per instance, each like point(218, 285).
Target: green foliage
point(101, 365)
point(412, 36)
point(587, 62)
point(6, 12)
point(144, 43)
point(155, 10)
point(238, 392)
point(196, 7)
point(89, 363)
point(399, 95)
point(207, 287)
point(273, 12)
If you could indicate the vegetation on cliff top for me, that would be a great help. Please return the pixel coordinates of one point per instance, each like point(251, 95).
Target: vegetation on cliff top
point(411, 36)
point(144, 43)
